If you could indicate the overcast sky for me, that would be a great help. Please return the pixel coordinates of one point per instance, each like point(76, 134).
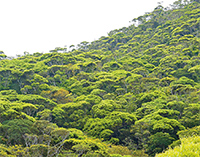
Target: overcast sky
point(42, 25)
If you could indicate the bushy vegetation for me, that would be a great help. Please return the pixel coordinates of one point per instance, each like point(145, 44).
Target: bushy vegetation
point(132, 93)
point(189, 147)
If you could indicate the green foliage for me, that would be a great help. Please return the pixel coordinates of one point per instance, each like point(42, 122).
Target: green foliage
point(13, 130)
point(104, 108)
point(158, 142)
point(195, 131)
point(86, 146)
point(115, 124)
point(137, 88)
point(191, 115)
point(189, 147)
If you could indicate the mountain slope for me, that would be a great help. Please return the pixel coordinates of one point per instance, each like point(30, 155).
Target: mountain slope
point(133, 90)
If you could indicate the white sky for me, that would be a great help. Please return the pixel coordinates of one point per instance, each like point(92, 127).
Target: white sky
point(42, 25)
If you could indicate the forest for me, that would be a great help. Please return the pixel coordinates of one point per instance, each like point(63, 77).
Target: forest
point(132, 93)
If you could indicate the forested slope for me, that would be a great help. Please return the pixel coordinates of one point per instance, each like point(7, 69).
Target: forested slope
point(134, 92)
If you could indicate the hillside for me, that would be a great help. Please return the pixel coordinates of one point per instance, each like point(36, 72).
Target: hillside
point(134, 92)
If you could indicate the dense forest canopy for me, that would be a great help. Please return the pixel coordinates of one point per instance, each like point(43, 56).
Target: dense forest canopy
point(135, 92)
